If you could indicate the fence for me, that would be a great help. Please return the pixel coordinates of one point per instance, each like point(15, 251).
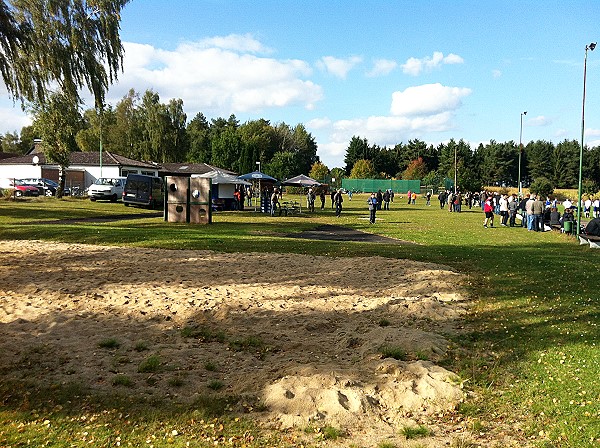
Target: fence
point(370, 185)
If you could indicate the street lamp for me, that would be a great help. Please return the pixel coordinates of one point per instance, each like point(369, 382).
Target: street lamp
point(259, 189)
point(520, 151)
point(591, 48)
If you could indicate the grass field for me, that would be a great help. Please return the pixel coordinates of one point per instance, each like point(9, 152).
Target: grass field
point(531, 357)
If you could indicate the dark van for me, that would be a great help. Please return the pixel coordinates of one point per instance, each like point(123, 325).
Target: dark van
point(143, 190)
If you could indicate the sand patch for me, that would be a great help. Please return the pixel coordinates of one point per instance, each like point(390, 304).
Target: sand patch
point(301, 335)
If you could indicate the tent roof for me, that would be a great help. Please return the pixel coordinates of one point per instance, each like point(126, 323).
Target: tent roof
point(257, 175)
point(301, 181)
point(219, 177)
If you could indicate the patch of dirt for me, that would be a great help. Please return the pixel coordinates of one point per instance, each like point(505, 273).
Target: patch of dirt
point(329, 232)
point(298, 337)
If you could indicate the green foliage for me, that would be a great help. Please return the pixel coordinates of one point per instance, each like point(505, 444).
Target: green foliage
point(332, 433)
point(392, 351)
point(215, 385)
point(57, 122)
point(413, 432)
point(541, 187)
point(109, 343)
point(84, 52)
point(150, 364)
point(318, 171)
point(363, 169)
point(122, 380)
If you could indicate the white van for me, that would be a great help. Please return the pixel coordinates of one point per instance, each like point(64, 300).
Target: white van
point(110, 188)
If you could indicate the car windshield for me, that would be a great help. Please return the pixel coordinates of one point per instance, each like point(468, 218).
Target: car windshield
point(106, 181)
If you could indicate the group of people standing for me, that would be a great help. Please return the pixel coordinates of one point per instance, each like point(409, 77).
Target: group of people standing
point(534, 212)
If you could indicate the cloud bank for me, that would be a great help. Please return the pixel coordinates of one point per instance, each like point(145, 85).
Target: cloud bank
point(415, 67)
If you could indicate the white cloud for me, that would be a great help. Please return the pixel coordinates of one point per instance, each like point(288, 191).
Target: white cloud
point(415, 67)
point(592, 143)
point(245, 43)
point(496, 74)
point(338, 67)
point(218, 75)
point(540, 120)
point(427, 99)
point(318, 123)
point(12, 119)
point(592, 132)
point(382, 67)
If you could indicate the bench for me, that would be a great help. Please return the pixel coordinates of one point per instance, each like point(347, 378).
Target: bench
point(592, 240)
point(290, 208)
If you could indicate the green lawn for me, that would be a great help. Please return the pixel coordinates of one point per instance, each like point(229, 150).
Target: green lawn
point(531, 356)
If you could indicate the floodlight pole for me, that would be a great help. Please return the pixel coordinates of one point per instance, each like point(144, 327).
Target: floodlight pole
point(259, 189)
point(520, 152)
point(591, 48)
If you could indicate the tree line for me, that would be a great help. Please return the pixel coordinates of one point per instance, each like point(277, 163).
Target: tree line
point(490, 164)
point(144, 128)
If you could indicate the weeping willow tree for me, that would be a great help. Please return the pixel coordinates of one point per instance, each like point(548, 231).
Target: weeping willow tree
point(74, 44)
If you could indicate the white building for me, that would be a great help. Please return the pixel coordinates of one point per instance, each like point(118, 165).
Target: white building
point(84, 167)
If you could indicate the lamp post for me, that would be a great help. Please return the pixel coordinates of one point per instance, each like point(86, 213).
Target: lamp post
point(520, 152)
point(591, 48)
point(101, 141)
point(259, 189)
point(455, 171)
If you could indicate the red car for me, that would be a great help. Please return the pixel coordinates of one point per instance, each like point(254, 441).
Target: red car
point(20, 188)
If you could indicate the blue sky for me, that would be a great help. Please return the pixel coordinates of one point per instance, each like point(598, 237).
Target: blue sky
point(388, 71)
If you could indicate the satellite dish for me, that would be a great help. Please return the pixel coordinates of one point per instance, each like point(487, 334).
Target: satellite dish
point(36, 160)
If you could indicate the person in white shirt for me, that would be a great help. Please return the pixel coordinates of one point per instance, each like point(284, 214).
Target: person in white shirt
point(567, 204)
point(587, 205)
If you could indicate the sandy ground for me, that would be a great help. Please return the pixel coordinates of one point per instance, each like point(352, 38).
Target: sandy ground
point(298, 337)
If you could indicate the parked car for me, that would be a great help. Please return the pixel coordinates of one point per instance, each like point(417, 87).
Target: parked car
point(47, 187)
point(110, 188)
point(143, 190)
point(18, 188)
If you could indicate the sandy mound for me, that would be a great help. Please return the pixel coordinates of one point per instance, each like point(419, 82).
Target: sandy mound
point(302, 335)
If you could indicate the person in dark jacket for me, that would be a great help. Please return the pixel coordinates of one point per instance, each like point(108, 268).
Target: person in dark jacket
point(372, 201)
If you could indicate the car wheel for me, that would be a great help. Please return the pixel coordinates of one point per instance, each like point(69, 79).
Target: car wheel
point(18, 193)
point(113, 198)
point(93, 199)
point(126, 204)
point(49, 192)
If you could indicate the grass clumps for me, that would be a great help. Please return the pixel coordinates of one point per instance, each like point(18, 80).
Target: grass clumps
point(215, 385)
point(122, 380)
point(109, 343)
point(392, 351)
point(150, 364)
point(204, 334)
point(414, 432)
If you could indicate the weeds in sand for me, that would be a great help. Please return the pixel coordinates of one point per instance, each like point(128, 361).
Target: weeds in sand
point(392, 351)
point(463, 441)
point(122, 380)
point(210, 366)
point(150, 364)
point(384, 323)
point(331, 433)
point(386, 445)
point(421, 356)
point(204, 334)
point(414, 432)
point(247, 343)
point(175, 382)
point(215, 385)
point(109, 343)
point(141, 346)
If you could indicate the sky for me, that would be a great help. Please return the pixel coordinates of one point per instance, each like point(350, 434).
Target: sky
point(388, 71)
